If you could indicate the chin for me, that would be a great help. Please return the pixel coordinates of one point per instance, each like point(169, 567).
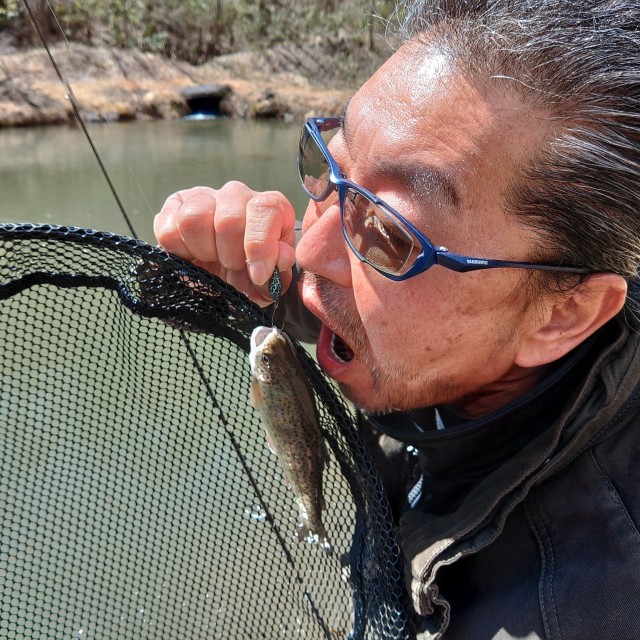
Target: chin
point(362, 400)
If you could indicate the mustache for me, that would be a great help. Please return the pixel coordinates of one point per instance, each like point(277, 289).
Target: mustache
point(337, 304)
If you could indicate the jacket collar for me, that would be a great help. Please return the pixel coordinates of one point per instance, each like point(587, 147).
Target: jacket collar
point(594, 410)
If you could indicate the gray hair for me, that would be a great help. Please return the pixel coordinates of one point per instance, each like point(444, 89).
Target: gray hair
point(579, 61)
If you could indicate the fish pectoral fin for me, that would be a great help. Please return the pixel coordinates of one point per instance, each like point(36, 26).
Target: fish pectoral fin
point(272, 447)
point(256, 394)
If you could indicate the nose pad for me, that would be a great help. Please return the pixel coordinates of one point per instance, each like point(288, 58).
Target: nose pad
point(322, 249)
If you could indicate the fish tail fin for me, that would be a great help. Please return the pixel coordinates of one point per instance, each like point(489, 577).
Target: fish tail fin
point(326, 546)
point(318, 536)
point(325, 454)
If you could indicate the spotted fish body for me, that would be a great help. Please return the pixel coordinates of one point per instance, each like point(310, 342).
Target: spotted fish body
point(281, 393)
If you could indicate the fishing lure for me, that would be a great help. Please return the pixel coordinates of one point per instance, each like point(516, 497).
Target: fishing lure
point(275, 288)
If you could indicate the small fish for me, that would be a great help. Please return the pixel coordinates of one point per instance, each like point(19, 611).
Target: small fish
point(281, 393)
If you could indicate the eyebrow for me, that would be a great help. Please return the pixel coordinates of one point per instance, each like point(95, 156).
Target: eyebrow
point(425, 181)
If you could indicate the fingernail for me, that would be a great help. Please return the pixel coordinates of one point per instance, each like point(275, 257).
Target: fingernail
point(258, 272)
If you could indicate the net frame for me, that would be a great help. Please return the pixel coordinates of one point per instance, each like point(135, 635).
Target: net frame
point(137, 495)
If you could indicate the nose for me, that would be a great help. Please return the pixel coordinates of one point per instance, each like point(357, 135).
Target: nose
point(322, 249)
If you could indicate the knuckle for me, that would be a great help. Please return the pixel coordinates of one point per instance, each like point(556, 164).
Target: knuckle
point(236, 189)
point(193, 192)
point(193, 220)
point(272, 201)
point(229, 220)
point(173, 200)
point(264, 199)
point(256, 246)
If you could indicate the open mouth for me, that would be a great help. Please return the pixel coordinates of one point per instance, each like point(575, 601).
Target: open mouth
point(341, 350)
point(334, 355)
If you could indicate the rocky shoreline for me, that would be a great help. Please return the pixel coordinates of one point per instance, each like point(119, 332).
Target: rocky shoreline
point(287, 82)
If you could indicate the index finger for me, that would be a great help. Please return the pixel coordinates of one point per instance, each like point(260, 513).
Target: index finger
point(269, 231)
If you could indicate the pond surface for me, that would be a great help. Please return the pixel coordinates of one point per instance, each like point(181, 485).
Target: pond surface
point(153, 528)
point(49, 174)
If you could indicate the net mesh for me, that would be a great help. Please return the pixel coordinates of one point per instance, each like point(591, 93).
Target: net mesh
point(137, 496)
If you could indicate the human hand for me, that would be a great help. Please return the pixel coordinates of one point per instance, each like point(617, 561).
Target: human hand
point(238, 234)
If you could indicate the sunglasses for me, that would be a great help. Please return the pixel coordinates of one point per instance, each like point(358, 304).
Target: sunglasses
point(375, 232)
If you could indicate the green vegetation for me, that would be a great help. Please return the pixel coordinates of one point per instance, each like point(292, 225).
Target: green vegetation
point(194, 30)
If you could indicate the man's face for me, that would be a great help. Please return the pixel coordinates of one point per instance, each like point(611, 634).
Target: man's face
point(441, 337)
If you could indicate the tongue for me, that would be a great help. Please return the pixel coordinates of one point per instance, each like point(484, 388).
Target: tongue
point(341, 349)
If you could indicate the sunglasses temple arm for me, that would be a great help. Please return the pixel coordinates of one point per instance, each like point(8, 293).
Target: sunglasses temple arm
point(326, 124)
point(462, 264)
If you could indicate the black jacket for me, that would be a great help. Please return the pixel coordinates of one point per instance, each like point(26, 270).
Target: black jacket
point(524, 524)
point(535, 535)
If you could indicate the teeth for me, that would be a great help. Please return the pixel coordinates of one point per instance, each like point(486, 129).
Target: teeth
point(340, 349)
point(333, 348)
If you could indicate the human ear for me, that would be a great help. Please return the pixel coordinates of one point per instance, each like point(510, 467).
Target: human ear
point(566, 321)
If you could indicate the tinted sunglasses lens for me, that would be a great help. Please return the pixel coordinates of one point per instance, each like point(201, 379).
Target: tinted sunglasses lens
point(378, 237)
point(313, 166)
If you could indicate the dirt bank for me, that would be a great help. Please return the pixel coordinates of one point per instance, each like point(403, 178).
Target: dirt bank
point(287, 81)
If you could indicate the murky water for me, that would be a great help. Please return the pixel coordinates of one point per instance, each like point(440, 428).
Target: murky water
point(49, 174)
point(133, 531)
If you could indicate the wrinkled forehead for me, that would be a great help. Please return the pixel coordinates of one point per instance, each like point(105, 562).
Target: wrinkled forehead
point(421, 104)
point(400, 89)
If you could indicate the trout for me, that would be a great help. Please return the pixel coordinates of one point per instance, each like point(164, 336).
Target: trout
point(281, 393)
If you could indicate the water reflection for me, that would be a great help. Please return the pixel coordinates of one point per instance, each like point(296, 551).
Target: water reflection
point(49, 174)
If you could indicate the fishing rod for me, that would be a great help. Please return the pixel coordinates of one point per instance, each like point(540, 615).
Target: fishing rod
point(275, 289)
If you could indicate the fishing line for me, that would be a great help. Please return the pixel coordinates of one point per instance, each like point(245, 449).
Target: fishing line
point(129, 167)
point(76, 111)
point(275, 289)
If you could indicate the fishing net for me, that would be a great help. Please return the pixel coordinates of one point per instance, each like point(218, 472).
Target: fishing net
point(137, 496)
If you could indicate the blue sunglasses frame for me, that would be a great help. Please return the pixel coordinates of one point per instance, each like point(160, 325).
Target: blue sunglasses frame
point(430, 254)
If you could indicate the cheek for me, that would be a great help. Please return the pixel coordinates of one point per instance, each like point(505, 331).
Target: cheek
point(438, 314)
point(397, 316)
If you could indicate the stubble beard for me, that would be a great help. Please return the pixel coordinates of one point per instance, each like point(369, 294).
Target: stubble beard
point(393, 387)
